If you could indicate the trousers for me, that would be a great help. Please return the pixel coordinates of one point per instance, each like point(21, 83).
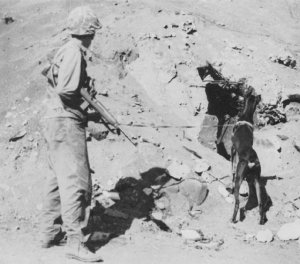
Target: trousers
point(68, 188)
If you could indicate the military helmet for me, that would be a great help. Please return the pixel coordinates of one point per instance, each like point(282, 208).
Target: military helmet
point(83, 21)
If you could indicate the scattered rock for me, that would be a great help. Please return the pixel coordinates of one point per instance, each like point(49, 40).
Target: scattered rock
point(162, 203)
point(264, 236)
point(178, 170)
point(286, 60)
point(283, 137)
point(296, 144)
point(195, 191)
point(157, 215)
point(271, 114)
point(8, 19)
point(189, 27)
point(289, 231)
point(190, 234)
point(292, 110)
point(18, 136)
point(201, 166)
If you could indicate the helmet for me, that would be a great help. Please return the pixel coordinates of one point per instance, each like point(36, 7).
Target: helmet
point(83, 21)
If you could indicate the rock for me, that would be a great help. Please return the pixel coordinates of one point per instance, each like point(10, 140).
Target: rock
point(178, 170)
point(8, 19)
point(8, 125)
point(157, 215)
point(292, 110)
point(283, 137)
point(296, 144)
point(289, 231)
point(201, 166)
point(264, 236)
point(194, 190)
point(27, 99)
point(162, 203)
point(190, 234)
point(17, 136)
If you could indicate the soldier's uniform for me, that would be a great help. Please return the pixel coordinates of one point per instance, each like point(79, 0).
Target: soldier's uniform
point(68, 187)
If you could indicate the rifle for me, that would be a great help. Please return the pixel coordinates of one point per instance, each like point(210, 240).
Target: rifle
point(88, 95)
point(104, 113)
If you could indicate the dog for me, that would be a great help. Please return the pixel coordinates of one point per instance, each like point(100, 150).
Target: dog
point(244, 159)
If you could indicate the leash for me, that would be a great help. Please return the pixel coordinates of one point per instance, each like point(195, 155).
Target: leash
point(173, 126)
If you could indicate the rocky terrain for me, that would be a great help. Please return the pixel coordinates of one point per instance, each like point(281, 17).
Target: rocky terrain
point(165, 200)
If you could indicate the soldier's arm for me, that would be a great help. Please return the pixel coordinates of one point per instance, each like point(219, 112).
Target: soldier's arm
point(69, 74)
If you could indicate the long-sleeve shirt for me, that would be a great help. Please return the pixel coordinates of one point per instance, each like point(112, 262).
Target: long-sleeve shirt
point(65, 98)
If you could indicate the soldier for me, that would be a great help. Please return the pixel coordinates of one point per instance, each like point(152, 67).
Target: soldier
point(68, 188)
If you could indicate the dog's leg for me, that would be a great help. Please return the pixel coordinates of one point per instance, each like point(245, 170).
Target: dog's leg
point(233, 167)
point(261, 209)
point(241, 168)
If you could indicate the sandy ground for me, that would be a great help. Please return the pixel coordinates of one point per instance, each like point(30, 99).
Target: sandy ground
point(146, 63)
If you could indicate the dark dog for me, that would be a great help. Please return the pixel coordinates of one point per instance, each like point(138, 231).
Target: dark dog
point(245, 162)
point(248, 165)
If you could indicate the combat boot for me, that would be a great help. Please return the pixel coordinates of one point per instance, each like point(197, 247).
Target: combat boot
point(79, 251)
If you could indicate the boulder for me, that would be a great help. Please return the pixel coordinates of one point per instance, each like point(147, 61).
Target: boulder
point(190, 234)
point(264, 236)
point(289, 231)
point(194, 190)
point(178, 170)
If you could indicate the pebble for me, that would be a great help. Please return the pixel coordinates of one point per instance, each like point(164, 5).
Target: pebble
point(264, 236)
point(190, 234)
point(297, 145)
point(289, 231)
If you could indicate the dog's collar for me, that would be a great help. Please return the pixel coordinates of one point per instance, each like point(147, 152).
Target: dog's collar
point(238, 123)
